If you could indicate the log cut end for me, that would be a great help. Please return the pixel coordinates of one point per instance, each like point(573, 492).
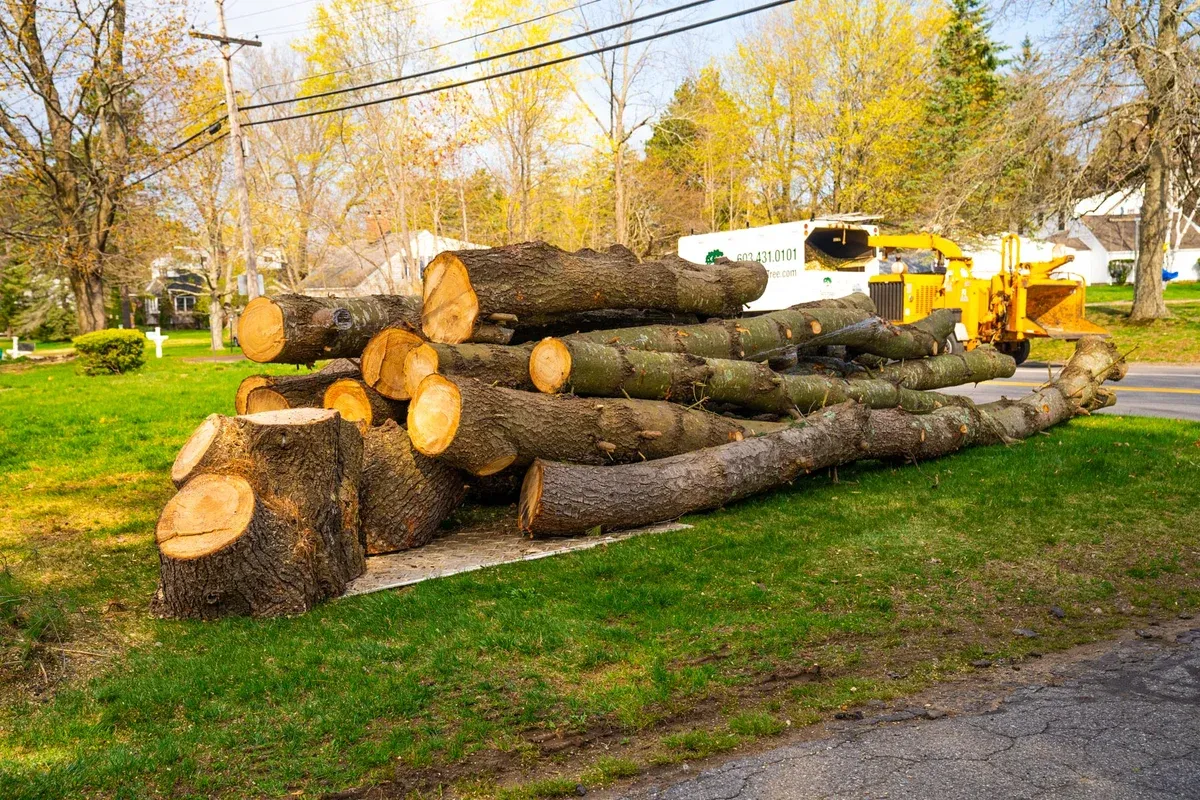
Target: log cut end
point(420, 363)
point(383, 361)
point(208, 514)
point(434, 414)
point(550, 366)
point(264, 398)
point(260, 330)
point(451, 307)
point(348, 397)
point(194, 448)
point(531, 497)
point(245, 388)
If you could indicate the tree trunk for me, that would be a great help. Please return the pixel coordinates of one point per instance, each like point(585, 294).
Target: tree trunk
point(266, 519)
point(404, 495)
point(592, 369)
point(295, 329)
point(216, 323)
point(484, 429)
point(362, 405)
point(531, 284)
point(1148, 302)
point(88, 288)
point(561, 498)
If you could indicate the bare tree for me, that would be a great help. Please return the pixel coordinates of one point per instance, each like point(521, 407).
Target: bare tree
point(72, 118)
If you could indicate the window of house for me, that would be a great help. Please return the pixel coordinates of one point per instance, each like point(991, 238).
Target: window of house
point(185, 303)
point(151, 305)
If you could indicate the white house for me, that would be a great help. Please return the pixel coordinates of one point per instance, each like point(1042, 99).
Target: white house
point(387, 264)
point(1106, 228)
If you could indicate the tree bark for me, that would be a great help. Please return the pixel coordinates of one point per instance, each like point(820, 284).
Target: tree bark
point(598, 370)
point(88, 287)
point(533, 283)
point(295, 329)
point(404, 495)
point(266, 519)
point(484, 429)
point(561, 498)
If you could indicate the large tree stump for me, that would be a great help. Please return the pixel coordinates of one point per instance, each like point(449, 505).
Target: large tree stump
point(534, 283)
point(266, 519)
point(561, 498)
point(404, 496)
point(586, 368)
point(485, 429)
point(296, 329)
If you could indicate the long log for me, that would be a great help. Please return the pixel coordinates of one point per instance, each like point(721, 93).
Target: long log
point(266, 519)
point(484, 429)
point(560, 498)
point(534, 283)
point(776, 332)
point(296, 329)
point(877, 336)
point(586, 368)
point(404, 496)
point(362, 405)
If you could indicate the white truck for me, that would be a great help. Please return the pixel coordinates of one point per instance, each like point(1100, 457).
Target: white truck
point(808, 260)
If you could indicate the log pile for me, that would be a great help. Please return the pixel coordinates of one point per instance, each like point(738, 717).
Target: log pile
point(608, 392)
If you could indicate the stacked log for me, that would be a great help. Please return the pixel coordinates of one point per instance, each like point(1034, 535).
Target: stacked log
point(609, 392)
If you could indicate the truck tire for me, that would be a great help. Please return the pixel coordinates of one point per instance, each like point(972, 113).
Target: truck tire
point(952, 346)
point(1018, 350)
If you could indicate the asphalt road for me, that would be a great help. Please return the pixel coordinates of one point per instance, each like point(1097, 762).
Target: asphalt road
point(1121, 727)
point(1149, 390)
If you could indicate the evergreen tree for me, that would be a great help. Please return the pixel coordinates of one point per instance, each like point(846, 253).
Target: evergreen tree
point(967, 87)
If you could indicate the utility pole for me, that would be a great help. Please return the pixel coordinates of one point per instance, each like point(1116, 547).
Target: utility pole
point(235, 138)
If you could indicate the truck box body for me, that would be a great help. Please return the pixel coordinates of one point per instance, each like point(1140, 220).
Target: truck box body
point(809, 260)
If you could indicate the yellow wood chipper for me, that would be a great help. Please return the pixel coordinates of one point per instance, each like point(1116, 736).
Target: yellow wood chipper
point(1022, 301)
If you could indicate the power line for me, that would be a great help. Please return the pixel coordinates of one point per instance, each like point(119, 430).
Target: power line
point(518, 70)
point(179, 160)
point(431, 48)
point(482, 60)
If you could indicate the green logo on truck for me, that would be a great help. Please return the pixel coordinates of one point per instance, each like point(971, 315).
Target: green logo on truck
point(712, 256)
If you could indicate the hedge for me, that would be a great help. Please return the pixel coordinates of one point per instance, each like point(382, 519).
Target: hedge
point(110, 352)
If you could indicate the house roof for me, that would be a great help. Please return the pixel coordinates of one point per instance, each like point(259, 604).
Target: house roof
point(1118, 233)
point(1067, 240)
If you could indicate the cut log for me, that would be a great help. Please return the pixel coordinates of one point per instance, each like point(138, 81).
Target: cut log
point(291, 391)
point(534, 283)
point(974, 366)
point(404, 495)
point(362, 405)
point(338, 368)
point(266, 519)
point(560, 498)
point(597, 370)
point(395, 362)
point(770, 334)
point(877, 336)
point(247, 386)
point(296, 329)
point(485, 429)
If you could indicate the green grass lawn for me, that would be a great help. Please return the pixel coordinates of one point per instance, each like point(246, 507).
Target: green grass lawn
point(1174, 340)
point(668, 647)
point(1179, 290)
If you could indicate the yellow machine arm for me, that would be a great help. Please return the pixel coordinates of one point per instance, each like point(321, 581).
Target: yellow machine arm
point(918, 241)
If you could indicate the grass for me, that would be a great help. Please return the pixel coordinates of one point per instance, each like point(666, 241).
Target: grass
point(1174, 340)
point(666, 647)
point(1179, 290)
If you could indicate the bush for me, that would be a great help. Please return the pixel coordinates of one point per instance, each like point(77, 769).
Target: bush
point(1119, 269)
point(110, 352)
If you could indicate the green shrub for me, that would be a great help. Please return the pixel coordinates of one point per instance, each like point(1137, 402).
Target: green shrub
point(110, 352)
point(1119, 269)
